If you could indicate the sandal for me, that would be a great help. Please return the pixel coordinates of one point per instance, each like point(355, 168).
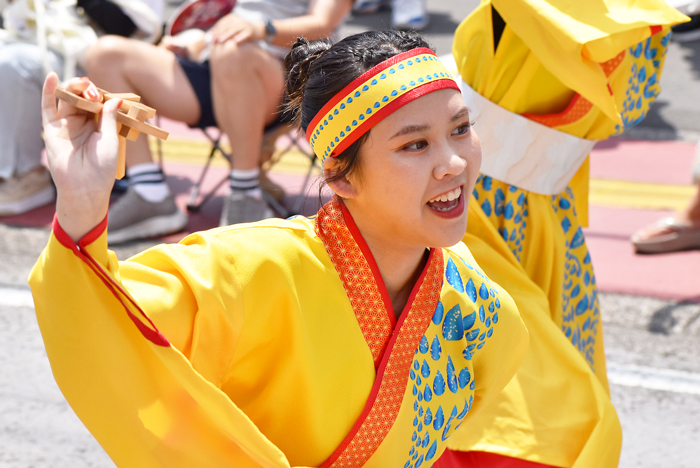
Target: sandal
point(666, 235)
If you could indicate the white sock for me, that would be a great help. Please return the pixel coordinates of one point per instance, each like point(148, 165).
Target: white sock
point(246, 180)
point(148, 181)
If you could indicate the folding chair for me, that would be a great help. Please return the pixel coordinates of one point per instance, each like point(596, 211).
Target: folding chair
point(203, 14)
point(270, 136)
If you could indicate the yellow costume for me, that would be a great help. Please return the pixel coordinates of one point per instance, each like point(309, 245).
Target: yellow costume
point(553, 73)
point(271, 344)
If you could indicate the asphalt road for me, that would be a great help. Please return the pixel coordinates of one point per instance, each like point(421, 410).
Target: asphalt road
point(652, 346)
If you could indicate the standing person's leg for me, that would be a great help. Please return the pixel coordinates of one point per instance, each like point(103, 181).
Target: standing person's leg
point(126, 65)
point(247, 87)
point(24, 183)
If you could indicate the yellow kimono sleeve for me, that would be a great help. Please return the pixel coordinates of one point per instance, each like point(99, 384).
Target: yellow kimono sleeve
point(137, 392)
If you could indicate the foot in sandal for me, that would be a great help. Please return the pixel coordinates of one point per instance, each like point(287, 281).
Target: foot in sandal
point(668, 235)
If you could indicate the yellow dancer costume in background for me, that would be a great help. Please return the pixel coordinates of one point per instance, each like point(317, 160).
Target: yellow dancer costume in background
point(556, 75)
point(275, 344)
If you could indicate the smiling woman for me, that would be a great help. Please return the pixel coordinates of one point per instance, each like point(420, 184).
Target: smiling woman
point(362, 336)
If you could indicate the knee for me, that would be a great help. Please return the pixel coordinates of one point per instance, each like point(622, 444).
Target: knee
point(230, 62)
point(107, 54)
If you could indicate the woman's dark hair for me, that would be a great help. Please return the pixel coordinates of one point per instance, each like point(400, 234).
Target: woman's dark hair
point(318, 70)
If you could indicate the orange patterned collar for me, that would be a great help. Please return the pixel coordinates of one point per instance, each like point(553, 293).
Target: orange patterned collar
point(392, 343)
point(360, 275)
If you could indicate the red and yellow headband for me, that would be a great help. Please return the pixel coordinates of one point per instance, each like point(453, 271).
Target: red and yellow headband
point(374, 95)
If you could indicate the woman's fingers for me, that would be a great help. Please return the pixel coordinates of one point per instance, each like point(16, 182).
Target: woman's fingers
point(48, 100)
point(75, 86)
point(92, 94)
point(243, 36)
point(78, 85)
point(223, 35)
point(108, 123)
point(226, 28)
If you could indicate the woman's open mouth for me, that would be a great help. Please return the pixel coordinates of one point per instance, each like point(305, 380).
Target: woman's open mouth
point(448, 205)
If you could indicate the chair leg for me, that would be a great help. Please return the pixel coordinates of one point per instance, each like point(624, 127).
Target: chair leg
point(313, 163)
point(277, 206)
point(193, 205)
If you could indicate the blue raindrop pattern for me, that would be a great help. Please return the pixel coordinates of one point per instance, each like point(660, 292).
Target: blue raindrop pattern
point(580, 310)
point(511, 211)
point(579, 313)
point(442, 374)
point(643, 77)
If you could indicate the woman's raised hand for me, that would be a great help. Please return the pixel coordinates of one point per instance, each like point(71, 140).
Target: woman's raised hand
point(82, 155)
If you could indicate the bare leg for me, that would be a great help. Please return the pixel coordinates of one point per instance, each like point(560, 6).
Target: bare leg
point(125, 65)
point(247, 85)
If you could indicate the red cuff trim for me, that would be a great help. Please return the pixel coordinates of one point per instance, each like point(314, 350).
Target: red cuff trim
point(65, 240)
point(151, 333)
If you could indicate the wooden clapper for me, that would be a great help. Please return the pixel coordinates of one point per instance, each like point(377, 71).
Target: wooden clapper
point(131, 118)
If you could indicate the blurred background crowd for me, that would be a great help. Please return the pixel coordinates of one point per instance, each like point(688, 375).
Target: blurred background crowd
point(186, 50)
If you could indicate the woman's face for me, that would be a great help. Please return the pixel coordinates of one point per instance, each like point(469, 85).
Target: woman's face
point(417, 171)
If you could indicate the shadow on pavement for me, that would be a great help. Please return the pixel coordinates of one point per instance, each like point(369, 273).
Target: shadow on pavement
point(663, 320)
point(692, 50)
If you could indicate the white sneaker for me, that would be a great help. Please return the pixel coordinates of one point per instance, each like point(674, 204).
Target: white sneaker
point(22, 193)
point(409, 14)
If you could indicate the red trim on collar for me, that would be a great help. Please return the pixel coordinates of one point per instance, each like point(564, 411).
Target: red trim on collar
point(362, 244)
point(385, 400)
point(358, 277)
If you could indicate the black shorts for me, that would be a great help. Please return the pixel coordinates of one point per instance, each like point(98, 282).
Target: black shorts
point(199, 76)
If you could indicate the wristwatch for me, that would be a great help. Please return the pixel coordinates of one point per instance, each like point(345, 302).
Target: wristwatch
point(270, 30)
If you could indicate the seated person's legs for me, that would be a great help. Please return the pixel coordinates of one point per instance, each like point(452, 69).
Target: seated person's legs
point(247, 85)
point(242, 77)
point(24, 183)
point(125, 65)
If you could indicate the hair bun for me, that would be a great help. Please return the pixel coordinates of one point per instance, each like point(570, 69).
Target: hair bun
point(296, 66)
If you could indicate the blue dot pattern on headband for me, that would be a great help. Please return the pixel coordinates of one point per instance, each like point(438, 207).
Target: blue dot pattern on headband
point(349, 114)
